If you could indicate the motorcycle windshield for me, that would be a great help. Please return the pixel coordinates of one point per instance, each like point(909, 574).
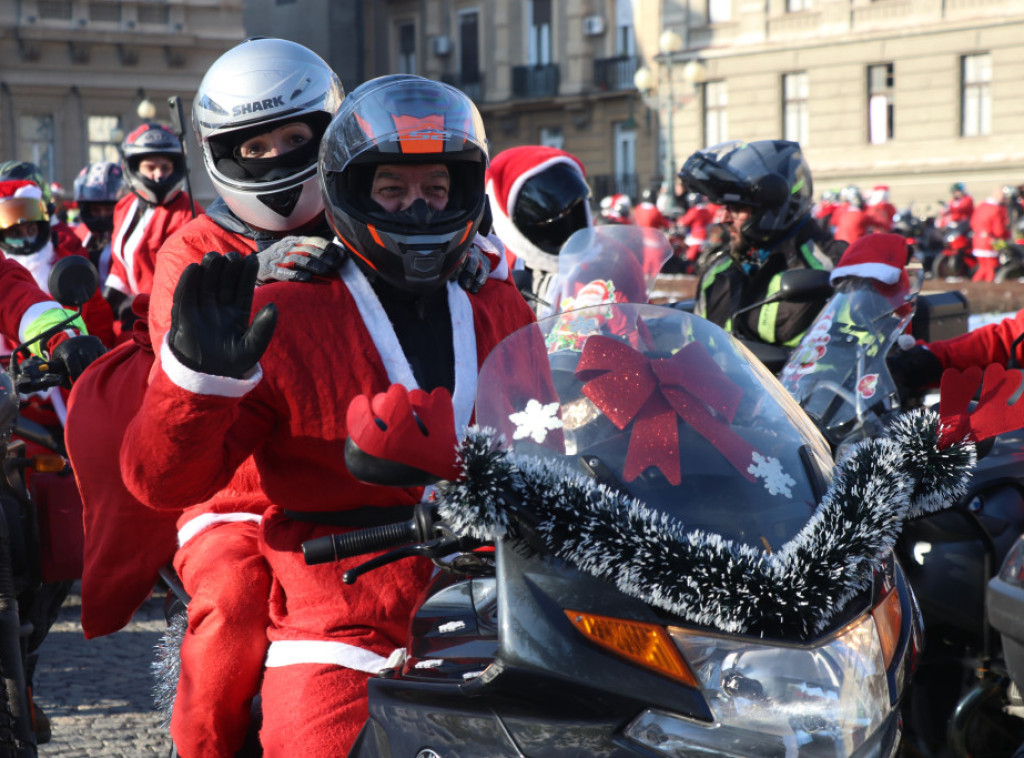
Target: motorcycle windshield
point(665, 407)
point(838, 373)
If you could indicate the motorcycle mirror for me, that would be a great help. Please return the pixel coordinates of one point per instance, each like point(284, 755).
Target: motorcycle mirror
point(804, 285)
point(73, 281)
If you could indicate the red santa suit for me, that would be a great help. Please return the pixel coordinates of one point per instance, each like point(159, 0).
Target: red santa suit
point(647, 214)
point(696, 221)
point(987, 344)
point(959, 209)
point(284, 429)
point(140, 228)
point(880, 211)
point(990, 222)
point(851, 225)
point(507, 173)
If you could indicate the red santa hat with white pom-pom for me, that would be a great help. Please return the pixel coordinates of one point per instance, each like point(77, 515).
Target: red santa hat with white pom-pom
point(20, 188)
point(882, 257)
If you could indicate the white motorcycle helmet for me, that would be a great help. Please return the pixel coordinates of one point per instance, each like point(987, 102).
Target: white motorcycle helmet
point(254, 87)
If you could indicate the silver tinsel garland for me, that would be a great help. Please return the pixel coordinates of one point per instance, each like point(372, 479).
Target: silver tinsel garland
point(703, 577)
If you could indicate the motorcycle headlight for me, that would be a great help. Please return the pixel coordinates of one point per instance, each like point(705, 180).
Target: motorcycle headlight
point(1012, 571)
point(830, 698)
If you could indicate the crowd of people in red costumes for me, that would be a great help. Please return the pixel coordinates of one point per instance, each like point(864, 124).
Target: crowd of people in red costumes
point(182, 430)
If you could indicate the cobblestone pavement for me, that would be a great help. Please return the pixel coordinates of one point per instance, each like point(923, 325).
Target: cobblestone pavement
point(98, 693)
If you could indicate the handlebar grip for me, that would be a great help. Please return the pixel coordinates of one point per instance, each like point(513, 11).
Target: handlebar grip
point(334, 547)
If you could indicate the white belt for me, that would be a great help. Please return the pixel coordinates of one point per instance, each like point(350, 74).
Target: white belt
point(206, 520)
point(292, 652)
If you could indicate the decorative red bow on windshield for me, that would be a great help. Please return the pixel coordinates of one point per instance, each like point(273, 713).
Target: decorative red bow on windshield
point(627, 386)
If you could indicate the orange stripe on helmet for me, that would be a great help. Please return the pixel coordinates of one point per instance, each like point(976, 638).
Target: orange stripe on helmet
point(469, 225)
point(356, 253)
point(421, 134)
point(376, 236)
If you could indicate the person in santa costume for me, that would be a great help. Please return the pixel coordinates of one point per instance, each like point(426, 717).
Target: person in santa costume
point(879, 210)
point(97, 189)
point(402, 177)
point(538, 197)
point(990, 229)
point(153, 162)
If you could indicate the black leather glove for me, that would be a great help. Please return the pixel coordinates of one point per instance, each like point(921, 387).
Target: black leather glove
point(210, 330)
point(73, 356)
point(298, 259)
point(914, 368)
point(474, 272)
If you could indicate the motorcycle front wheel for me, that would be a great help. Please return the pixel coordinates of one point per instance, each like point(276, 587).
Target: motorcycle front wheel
point(949, 266)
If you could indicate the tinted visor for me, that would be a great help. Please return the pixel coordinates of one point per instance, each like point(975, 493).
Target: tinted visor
point(551, 206)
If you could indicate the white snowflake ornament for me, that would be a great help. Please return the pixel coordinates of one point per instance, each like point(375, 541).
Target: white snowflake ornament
point(535, 421)
point(776, 481)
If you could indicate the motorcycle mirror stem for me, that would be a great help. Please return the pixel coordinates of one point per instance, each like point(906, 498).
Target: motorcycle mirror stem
point(795, 286)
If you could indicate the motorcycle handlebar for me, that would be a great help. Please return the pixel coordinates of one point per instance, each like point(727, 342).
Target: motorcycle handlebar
point(334, 547)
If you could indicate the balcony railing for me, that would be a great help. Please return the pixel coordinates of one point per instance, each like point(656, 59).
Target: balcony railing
point(612, 74)
point(470, 82)
point(602, 185)
point(535, 81)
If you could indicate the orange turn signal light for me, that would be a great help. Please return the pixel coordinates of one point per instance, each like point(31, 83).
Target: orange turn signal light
point(647, 645)
point(48, 464)
point(888, 616)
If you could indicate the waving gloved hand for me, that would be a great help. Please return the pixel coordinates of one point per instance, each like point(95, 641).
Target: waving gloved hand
point(210, 330)
point(298, 259)
point(474, 272)
point(74, 354)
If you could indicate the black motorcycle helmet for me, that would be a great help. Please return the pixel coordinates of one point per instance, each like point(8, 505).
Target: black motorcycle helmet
point(148, 140)
point(98, 185)
point(770, 176)
point(551, 205)
point(405, 119)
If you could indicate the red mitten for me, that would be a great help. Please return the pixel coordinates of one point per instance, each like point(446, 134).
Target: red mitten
point(955, 394)
point(413, 428)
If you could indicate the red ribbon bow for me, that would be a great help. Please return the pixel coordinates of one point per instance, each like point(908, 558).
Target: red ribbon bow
point(627, 386)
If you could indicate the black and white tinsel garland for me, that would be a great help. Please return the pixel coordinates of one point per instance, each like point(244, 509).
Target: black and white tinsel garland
point(703, 577)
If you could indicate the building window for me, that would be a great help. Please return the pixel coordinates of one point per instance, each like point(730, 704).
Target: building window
point(880, 103)
point(55, 9)
point(469, 47)
point(719, 10)
point(625, 38)
point(108, 12)
point(539, 38)
point(792, 6)
point(551, 136)
point(154, 13)
point(407, 49)
point(976, 95)
point(794, 107)
point(104, 138)
point(716, 119)
point(35, 142)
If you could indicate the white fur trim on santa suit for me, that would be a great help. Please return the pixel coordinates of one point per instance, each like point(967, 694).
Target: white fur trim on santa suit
point(879, 271)
point(509, 233)
point(38, 264)
point(978, 252)
point(204, 521)
point(34, 312)
point(494, 249)
point(382, 332)
point(294, 652)
point(205, 384)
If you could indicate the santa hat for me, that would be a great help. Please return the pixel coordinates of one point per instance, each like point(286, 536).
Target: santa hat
point(878, 256)
point(507, 173)
point(879, 194)
point(20, 188)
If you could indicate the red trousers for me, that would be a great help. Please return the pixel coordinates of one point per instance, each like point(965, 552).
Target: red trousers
point(226, 641)
point(314, 701)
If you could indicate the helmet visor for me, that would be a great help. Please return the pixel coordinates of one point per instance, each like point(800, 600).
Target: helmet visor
point(18, 210)
point(412, 119)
